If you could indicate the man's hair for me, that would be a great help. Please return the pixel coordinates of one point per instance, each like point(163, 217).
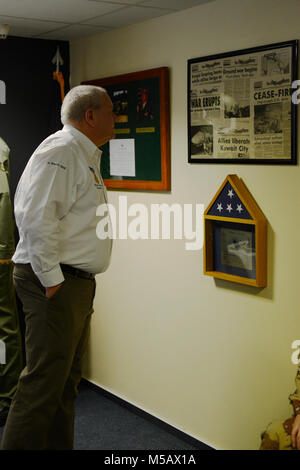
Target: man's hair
point(78, 100)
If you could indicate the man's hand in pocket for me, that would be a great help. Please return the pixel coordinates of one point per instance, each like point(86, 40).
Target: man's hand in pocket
point(51, 290)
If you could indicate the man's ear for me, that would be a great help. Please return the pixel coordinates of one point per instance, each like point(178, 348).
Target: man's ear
point(89, 117)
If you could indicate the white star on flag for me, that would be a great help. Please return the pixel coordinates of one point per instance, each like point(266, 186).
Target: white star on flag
point(230, 193)
point(239, 208)
point(229, 208)
point(219, 208)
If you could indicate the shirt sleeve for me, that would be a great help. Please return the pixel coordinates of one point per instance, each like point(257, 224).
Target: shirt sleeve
point(51, 194)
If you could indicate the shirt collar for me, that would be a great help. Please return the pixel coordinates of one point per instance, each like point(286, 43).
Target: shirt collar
point(88, 145)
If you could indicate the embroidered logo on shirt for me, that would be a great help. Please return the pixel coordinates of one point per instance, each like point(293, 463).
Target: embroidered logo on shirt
point(57, 164)
point(97, 182)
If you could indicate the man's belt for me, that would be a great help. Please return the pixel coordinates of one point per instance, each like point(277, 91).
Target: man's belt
point(76, 272)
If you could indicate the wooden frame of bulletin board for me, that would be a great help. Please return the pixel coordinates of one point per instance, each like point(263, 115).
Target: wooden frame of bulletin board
point(141, 105)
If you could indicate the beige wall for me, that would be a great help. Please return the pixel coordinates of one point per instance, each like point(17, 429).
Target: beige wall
point(211, 358)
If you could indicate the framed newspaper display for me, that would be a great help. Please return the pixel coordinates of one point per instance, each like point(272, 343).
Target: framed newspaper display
point(241, 107)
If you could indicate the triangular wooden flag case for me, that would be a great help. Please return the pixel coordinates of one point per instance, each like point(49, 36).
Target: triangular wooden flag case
point(235, 236)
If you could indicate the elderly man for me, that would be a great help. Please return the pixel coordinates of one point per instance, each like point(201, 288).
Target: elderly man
point(56, 260)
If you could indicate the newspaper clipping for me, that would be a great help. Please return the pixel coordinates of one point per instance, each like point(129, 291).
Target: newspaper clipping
point(240, 106)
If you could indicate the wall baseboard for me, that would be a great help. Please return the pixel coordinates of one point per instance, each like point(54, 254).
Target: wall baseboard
point(153, 419)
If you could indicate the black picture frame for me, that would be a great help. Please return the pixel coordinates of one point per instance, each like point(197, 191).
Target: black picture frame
point(237, 106)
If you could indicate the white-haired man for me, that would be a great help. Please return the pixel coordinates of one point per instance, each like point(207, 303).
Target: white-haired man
point(56, 260)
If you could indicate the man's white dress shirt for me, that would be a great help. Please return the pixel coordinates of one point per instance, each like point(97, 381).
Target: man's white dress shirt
point(55, 208)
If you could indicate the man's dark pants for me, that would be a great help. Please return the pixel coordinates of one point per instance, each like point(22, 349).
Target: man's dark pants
point(42, 412)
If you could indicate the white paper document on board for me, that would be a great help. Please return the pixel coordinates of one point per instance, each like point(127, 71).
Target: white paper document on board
point(122, 157)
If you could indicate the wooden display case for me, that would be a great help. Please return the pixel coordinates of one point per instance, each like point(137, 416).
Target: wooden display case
point(235, 236)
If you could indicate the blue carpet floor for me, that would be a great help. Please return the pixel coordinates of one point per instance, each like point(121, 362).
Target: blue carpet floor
point(103, 423)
